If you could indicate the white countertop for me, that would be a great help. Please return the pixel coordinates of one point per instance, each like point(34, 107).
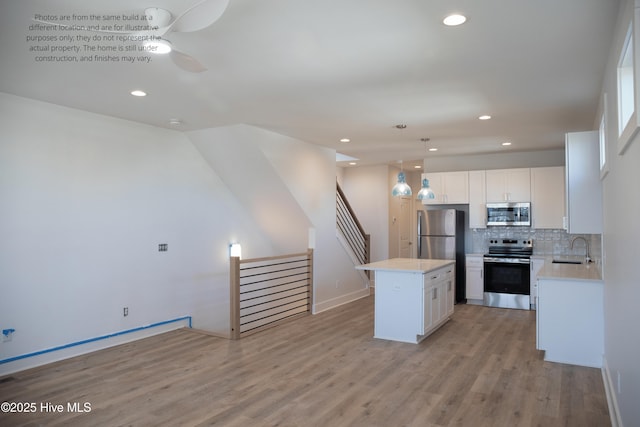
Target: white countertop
point(560, 271)
point(569, 271)
point(409, 265)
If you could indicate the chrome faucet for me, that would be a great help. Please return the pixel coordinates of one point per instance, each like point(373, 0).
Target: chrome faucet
point(587, 258)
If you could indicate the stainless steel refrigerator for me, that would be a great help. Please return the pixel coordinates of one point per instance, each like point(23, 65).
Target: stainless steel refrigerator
point(441, 236)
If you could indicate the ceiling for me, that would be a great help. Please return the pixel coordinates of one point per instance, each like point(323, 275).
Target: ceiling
point(324, 70)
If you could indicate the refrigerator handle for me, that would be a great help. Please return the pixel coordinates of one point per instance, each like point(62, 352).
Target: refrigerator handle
point(419, 234)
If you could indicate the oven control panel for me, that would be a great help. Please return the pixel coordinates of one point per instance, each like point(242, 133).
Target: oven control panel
point(505, 247)
point(511, 242)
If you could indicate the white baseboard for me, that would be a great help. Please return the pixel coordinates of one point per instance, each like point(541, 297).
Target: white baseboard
point(342, 299)
point(612, 401)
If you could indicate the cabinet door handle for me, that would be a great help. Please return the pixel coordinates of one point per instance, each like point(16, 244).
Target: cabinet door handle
point(435, 293)
point(449, 286)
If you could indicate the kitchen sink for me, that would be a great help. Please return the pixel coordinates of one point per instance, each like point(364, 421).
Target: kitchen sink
point(564, 261)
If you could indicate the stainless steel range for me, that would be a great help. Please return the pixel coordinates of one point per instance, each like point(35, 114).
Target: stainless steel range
point(507, 273)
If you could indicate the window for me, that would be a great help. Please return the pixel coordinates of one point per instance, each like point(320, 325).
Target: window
point(628, 114)
point(625, 83)
point(602, 131)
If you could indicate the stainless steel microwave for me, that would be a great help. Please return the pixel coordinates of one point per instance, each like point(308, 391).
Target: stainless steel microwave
point(509, 214)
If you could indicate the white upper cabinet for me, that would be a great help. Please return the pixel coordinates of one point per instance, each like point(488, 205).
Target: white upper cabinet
point(547, 197)
point(448, 187)
point(477, 200)
point(508, 185)
point(583, 185)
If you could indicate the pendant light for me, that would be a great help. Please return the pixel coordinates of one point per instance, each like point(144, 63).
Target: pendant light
point(425, 193)
point(401, 188)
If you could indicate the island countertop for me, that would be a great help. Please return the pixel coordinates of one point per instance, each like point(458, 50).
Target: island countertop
point(409, 265)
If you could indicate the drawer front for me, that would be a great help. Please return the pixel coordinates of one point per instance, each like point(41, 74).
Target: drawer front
point(474, 261)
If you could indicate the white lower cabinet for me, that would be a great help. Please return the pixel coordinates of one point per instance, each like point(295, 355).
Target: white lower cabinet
point(429, 305)
point(475, 279)
point(451, 292)
point(438, 298)
point(410, 305)
point(570, 321)
point(535, 266)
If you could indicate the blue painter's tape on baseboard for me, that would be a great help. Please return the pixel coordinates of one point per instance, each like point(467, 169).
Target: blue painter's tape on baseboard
point(102, 337)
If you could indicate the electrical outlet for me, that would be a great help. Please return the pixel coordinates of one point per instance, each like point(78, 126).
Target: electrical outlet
point(125, 311)
point(163, 247)
point(619, 387)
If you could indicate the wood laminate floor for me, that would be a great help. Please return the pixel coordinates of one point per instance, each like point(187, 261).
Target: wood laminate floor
point(479, 369)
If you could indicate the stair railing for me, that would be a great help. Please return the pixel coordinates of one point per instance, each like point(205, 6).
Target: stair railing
point(268, 291)
point(358, 241)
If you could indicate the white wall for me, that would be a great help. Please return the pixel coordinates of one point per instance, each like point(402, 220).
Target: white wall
point(620, 248)
point(265, 197)
point(508, 159)
point(287, 186)
point(367, 189)
point(86, 199)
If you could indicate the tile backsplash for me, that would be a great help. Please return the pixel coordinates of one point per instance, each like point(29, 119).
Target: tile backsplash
point(556, 242)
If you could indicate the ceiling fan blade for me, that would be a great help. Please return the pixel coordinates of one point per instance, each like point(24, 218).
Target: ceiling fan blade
point(186, 62)
point(199, 16)
point(159, 20)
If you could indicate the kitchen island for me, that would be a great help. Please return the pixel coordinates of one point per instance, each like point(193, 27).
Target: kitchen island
point(413, 297)
point(570, 314)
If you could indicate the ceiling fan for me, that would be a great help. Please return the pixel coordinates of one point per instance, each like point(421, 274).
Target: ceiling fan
point(161, 23)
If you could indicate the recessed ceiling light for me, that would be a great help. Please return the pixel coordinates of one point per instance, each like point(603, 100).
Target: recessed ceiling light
point(433, 149)
point(454, 19)
point(345, 140)
point(352, 163)
point(506, 144)
point(417, 167)
point(138, 92)
point(175, 122)
point(485, 117)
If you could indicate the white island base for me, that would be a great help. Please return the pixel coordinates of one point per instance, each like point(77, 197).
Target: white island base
point(413, 297)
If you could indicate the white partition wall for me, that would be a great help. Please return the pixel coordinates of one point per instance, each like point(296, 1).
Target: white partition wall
point(87, 200)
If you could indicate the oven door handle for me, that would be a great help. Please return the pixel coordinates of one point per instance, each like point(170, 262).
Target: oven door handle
point(492, 260)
